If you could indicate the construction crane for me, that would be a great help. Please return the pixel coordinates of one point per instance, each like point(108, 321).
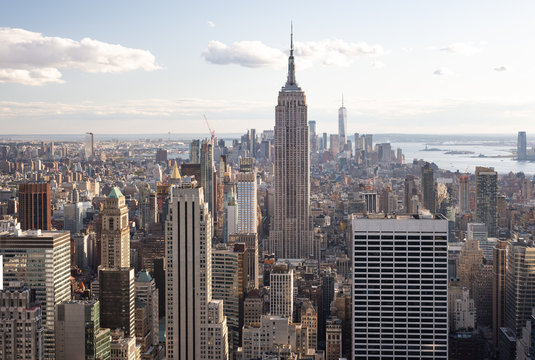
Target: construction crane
point(212, 132)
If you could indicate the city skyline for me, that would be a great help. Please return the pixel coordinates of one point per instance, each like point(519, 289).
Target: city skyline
point(126, 78)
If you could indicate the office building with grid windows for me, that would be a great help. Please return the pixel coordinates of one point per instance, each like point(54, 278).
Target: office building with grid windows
point(400, 287)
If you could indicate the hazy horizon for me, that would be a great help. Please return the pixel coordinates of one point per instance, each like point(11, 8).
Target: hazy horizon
point(466, 73)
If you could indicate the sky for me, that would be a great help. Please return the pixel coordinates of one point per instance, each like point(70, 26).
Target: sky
point(138, 67)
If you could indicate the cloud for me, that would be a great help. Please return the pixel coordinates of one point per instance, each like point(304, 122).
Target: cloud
point(337, 52)
point(30, 58)
point(255, 54)
point(31, 77)
point(462, 48)
point(377, 64)
point(443, 72)
point(501, 68)
point(211, 24)
point(251, 54)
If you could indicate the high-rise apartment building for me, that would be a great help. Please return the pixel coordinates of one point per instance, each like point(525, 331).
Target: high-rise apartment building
point(78, 331)
point(291, 234)
point(313, 137)
point(194, 148)
point(281, 291)
point(368, 142)
point(34, 206)
point(464, 193)
point(39, 260)
point(519, 286)
point(521, 146)
point(400, 287)
point(115, 248)
point(247, 201)
point(207, 175)
point(428, 187)
point(21, 326)
point(230, 283)
point(410, 191)
point(486, 199)
point(189, 275)
point(342, 123)
point(498, 288)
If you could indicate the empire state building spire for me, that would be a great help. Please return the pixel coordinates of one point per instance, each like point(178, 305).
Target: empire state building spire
point(291, 84)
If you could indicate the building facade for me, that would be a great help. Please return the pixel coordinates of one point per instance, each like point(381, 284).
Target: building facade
point(400, 287)
point(21, 326)
point(34, 206)
point(78, 331)
point(117, 300)
point(291, 234)
point(486, 199)
point(115, 240)
point(281, 291)
point(188, 234)
point(39, 260)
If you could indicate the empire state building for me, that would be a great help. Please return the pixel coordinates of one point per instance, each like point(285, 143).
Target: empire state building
point(291, 234)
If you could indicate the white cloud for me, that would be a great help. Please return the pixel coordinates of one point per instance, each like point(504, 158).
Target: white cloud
point(30, 58)
point(462, 48)
point(256, 54)
point(250, 54)
point(501, 68)
point(337, 52)
point(31, 77)
point(211, 24)
point(377, 64)
point(443, 72)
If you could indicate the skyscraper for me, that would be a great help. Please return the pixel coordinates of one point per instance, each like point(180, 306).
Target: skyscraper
point(207, 175)
point(519, 286)
point(230, 283)
point(313, 136)
point(188, 235)
point(34, 206)
point(400, 297)
point(410, 191)
point(291, 233)
point(117, 299)
point(521, 146)
point(464, 193)
point(342, 123)
point(498, 288)
point(115, 250)
point(486, 198)
point(251, 243)
point(428, 187)
point(281, 293)
point(247, 202)
point(194, 148)
point(39, 260)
